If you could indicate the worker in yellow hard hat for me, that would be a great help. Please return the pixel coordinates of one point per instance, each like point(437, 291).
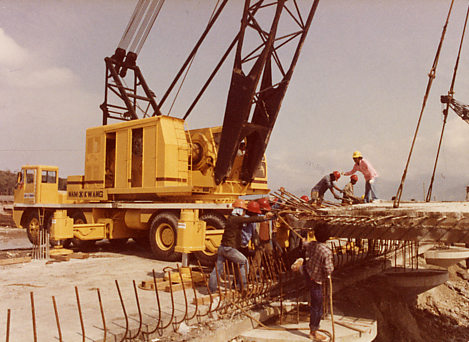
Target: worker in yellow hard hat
point(370, 174)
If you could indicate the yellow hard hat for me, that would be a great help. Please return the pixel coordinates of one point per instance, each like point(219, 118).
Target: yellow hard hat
point(356, 154)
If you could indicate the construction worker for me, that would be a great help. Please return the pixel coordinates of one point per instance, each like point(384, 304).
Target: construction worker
point(278, 205)
point(231, 241)
point(348, 192)
point(370, 174)
point(317, 267)
point(327, 182)
point(264, 228)
point(249, 232)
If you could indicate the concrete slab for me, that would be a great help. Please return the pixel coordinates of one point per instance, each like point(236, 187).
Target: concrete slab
point(446, 257)
point(413, 221)
point(416, 281)
point(345, 329)
point(28, 291)
point(13, 238)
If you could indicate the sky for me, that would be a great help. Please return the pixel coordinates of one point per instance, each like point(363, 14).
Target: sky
point(359, 85)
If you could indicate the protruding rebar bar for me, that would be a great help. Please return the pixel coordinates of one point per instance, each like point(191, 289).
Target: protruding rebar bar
point(195, 296)
point(80, 314)
point(33, 314)
point(57, 318)
point(159, 306)
point(8, 326)
point(169, 269)
point(139, 314)
point(102, 315)
point(185, 298)
point(125, 312)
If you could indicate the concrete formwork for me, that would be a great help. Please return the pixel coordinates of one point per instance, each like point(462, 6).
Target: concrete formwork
point(446, 222)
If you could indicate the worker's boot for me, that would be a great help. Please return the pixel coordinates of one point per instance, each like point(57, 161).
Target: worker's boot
point(316, 336)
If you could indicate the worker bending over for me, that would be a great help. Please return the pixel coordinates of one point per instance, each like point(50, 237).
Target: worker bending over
point(349, 197)
point(231, 242)
point(326, 183)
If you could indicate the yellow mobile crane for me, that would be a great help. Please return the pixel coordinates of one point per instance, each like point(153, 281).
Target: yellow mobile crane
point(149, 178)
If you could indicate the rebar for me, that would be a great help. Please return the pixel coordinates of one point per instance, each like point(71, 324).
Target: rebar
point(8, 325)
point(33, 315)
point(102, 315)
point(186, 307)
point(57, 318)
point(159, 306)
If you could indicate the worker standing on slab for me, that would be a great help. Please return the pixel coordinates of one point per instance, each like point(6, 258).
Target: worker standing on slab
point(326, 183)
point(317, 268)
point(370, 174)
point(231, 242)
point(349, 197)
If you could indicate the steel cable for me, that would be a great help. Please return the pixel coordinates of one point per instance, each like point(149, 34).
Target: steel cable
point(431, 77)
point(445, 111)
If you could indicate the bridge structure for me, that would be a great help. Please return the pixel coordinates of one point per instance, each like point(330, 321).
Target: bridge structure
point(445, 222)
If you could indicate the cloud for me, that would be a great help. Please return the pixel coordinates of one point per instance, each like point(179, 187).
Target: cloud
point(45, 78)
point(12, 55)
point(22, 69)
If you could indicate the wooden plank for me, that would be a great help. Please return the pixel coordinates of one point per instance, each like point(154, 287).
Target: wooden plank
point(12, 261)
point(150, 284)
point(178, 286)
point(79, 255)
point(204, 300)
point(63, 257)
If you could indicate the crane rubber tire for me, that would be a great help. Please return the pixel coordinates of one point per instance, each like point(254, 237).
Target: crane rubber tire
point(208, 257)
point(163, 236)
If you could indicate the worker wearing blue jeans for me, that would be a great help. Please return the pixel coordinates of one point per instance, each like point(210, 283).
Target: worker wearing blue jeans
point(231, 240)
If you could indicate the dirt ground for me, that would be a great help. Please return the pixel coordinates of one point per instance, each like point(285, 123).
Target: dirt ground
point(440, 314)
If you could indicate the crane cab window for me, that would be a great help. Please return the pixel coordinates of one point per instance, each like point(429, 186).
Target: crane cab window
point(49, 177)
point(29, 176)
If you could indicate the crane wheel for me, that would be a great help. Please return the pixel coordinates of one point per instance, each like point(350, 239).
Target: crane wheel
point(163, 236)
point(214, 221)
point(32, 227)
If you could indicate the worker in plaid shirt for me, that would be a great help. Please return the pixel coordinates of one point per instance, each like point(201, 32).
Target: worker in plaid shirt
point(317, 268)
